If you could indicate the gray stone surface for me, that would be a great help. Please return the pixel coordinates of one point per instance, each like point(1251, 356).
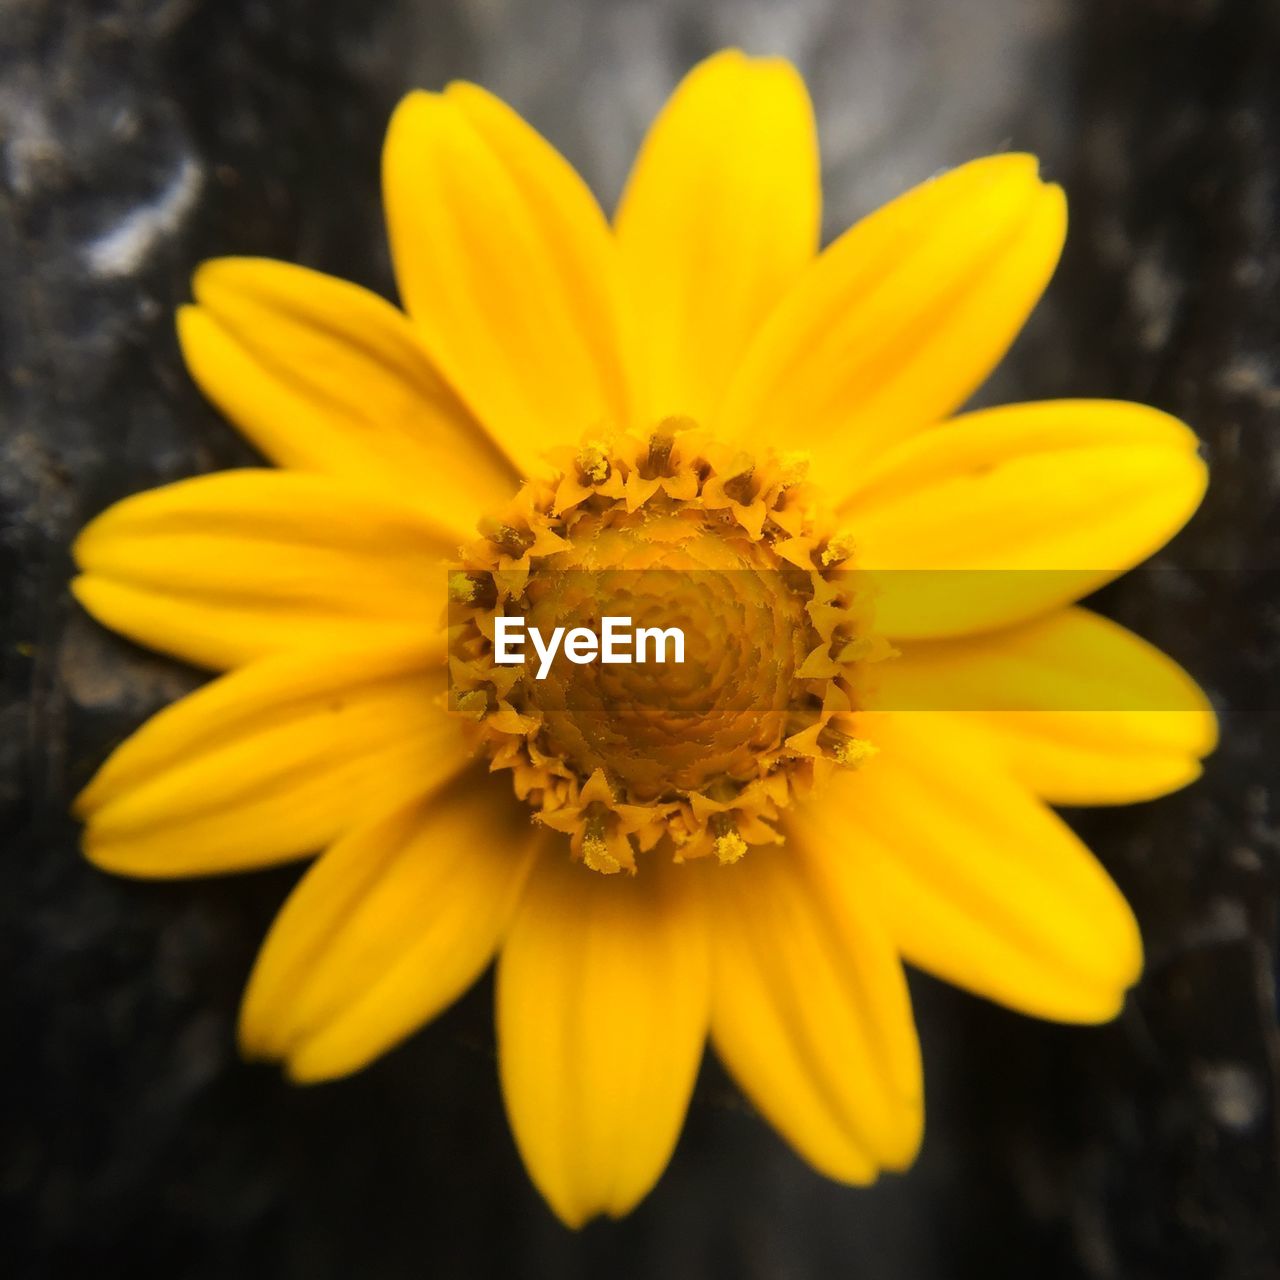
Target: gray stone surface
point(139, 136)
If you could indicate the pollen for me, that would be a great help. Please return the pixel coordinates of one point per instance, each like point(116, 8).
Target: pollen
point(844, 748)
point(593, 463)
point(689, 760)
point(594, 842)
point(727, 840)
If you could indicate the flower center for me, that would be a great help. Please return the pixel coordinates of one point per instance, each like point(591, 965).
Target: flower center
point(670, 531)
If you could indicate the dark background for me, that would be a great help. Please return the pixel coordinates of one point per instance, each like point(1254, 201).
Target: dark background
point(140, 136)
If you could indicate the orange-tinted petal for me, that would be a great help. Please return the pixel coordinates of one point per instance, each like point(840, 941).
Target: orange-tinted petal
point(1004, 514)
point(1083, 711)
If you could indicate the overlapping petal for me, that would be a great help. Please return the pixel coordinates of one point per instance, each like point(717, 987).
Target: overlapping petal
point(325, 376)
point(387, 928)
point(977, 881)
point(810, 1008)
point(1083, 711)
point(225, 568)
point(602, 1012)
point(1000, 515)
point(507, 267)
point(530, 323)
point(272, 762)
point(900, 320)
point(718, 219)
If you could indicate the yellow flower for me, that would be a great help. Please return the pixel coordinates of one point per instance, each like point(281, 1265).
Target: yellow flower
point(712, 393)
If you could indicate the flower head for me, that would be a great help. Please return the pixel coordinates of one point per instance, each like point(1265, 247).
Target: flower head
point(689, 415)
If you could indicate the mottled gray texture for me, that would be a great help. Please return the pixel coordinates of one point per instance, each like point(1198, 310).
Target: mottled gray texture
point(140, 136)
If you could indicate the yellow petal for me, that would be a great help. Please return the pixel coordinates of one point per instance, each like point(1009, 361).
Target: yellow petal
point(602, 1013)
point(719, 217)
point(225, 568)
point(271, 762)
point(1105, 757)
point(1083, 711)
point(387, 928)
point(506, 264)
point(325, 376)
point(810, 1010)
point(898, 322)
point(1007, 513)
point(977, 880)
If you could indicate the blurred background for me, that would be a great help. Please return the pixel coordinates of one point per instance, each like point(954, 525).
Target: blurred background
point(140, 136)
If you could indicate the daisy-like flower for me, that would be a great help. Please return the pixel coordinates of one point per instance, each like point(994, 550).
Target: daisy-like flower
point(751, 857)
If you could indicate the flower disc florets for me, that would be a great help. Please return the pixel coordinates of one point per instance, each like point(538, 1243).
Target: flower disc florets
point(669, 530)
